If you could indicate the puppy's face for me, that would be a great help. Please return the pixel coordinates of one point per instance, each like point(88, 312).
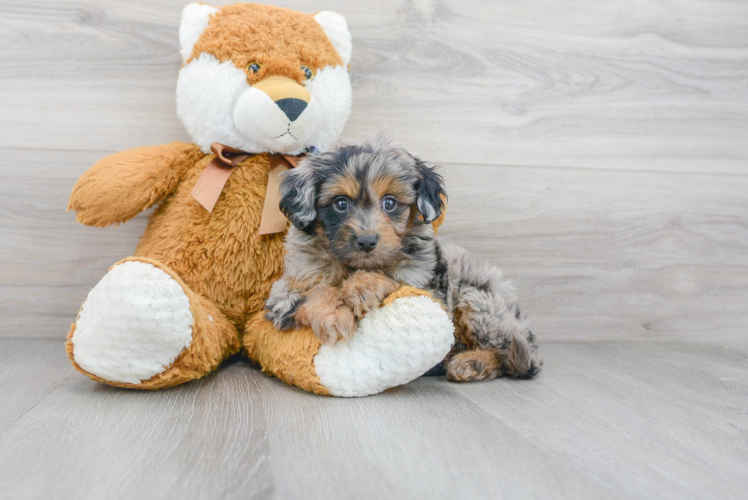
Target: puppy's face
point(361, 201)
point(364, 211)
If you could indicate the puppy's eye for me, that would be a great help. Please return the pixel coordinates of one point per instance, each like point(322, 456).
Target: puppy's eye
point(253, 67)
point(341, 205)
point(308, 73)
point(389, 204)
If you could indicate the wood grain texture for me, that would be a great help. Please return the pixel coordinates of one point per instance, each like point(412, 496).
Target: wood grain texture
point(599, 84)
point(598, 152)
point(603, 420)
point(611, 255)
point(595, 255)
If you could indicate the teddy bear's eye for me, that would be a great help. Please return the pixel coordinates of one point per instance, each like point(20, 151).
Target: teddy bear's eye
point(253, 67)
point(308, 73)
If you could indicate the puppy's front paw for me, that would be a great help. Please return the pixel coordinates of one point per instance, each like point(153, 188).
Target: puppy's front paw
point(330, 319)
point(337, 326)
point(365, 291)
point(282, 304)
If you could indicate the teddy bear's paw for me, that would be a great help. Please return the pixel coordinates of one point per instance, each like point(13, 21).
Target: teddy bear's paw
point(133, 324)
point(392, 346)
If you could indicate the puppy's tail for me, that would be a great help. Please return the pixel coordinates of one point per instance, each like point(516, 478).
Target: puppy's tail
point(522, 359)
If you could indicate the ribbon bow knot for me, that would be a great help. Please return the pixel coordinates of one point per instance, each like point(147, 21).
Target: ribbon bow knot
point(210, 184)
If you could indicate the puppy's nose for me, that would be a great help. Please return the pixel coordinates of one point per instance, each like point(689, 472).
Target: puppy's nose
point(367, 242)
point(291, 107)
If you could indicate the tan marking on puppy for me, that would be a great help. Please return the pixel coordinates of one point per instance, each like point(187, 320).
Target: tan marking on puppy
point(324, 312)
point(344, 185)
point(478, 364)
point(392, 186)
point(390, 233)
point(463, 328)
point(365, 291)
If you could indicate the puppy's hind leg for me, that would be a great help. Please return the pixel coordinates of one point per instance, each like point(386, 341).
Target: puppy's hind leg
point(493, 338)
point(475, 364)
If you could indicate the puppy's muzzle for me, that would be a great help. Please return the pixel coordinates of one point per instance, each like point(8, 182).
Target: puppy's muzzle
point(288, 95)
point(367, 242)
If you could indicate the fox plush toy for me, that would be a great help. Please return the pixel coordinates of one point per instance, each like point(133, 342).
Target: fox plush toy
point(259, 88)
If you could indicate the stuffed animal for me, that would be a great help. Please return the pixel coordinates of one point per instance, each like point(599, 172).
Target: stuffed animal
point(259, 87)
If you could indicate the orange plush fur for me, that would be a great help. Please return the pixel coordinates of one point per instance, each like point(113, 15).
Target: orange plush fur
point(280, 40)
point(219, 259)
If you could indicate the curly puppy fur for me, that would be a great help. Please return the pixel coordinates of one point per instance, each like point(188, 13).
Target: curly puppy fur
point(361, 219)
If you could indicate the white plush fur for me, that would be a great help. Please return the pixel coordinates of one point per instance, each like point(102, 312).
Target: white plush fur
point(257, 116)
point(336, 29)
point(195, 19)
point(331, 88)
point(133, 324)
point(216, 104)
point(207, 91)
point(392, 346)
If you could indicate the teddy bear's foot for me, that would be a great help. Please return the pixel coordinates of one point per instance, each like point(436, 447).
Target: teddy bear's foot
point(393, 345)
point(142, 327)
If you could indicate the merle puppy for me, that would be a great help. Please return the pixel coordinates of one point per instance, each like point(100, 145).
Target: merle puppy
point(361, 219)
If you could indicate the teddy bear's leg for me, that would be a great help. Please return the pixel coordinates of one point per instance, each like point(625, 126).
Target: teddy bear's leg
point(142, 327)
point(393, 345)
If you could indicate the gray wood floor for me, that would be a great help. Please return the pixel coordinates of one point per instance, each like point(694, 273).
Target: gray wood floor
point(597, 150)
point(603, 420)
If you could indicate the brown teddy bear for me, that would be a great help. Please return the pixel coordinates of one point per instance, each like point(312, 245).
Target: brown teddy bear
point(259, 87)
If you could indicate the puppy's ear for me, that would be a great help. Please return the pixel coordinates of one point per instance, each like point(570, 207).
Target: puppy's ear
point(430, 192)
point(298, 193)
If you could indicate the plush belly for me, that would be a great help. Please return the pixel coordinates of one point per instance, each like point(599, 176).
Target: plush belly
point(220, 254)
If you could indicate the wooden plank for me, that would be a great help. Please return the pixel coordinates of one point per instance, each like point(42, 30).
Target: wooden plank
point(30, 371)
point(649, 420)
point(88, 440)
point(596, 255)
point(603, 420)
point(611, 255)
point(418, 441)
point(597, 84)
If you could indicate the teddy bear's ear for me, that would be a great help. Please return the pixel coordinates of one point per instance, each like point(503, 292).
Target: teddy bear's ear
point(195, 17)
point(336, 29)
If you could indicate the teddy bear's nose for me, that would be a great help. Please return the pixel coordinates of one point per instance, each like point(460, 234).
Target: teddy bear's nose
point(292, 107)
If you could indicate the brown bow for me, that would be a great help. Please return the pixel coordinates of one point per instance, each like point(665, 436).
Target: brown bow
point(210, 184)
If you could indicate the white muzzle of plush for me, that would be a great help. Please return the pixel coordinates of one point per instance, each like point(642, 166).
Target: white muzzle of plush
point(258, 118)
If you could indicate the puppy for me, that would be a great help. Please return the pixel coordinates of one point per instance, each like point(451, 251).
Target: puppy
point(361, 219)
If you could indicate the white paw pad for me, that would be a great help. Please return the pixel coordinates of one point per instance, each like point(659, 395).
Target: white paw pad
point(133, 324)
point(392, 346)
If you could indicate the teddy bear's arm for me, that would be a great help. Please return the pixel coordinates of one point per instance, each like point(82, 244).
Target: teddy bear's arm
point(120, 186)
